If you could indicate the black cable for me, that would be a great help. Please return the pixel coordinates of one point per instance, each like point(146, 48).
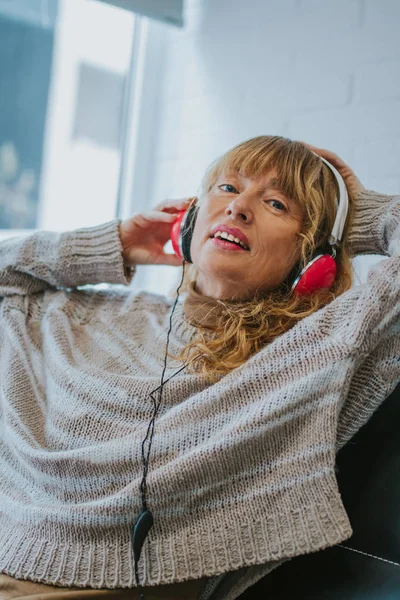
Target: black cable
point(145, 520)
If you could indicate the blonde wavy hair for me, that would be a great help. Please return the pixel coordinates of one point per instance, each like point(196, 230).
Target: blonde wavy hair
point(244, 327)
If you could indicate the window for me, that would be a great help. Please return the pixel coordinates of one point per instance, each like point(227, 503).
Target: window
point(64, 68)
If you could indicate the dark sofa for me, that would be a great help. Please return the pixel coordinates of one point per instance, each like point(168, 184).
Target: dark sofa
point(367, 565)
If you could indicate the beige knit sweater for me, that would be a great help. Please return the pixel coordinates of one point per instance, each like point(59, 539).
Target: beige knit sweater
point(242, 472)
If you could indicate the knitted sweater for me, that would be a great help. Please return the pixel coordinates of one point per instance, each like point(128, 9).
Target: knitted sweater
point(242, 471)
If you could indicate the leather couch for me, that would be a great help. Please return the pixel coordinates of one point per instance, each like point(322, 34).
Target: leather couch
point(367, 565)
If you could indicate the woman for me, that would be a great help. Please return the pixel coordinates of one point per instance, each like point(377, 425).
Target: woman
point(242, 470)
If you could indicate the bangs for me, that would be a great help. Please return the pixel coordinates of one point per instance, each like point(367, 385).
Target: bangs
point(258, 156)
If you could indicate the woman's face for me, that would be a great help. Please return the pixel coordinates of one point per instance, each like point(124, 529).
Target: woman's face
point(268, 219)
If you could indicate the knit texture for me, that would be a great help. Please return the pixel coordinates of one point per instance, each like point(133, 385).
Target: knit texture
point(242, 471)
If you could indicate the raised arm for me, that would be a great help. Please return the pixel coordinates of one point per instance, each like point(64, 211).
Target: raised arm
point(365, 320)
point(366, 314)
point(46, 259)
point(367, 317)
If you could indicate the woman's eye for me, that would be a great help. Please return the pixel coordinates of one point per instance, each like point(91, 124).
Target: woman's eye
point(227, 185)
point(282, 205)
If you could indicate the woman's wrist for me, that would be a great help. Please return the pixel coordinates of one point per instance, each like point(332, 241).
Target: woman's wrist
point(130, 270)
point(124, 243)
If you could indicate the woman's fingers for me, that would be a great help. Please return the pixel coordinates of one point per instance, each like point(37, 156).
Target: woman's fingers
point(144, 235)
point(154, 216)
point(330, 156)
point(350, 178)
point(174, 205)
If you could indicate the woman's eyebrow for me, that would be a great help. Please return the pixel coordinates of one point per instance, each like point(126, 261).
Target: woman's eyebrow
point(272, 184)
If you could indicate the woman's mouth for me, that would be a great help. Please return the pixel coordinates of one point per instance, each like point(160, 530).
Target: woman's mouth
point(227, 245)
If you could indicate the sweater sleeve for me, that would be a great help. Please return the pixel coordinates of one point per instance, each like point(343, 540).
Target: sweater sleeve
point(371, 232)
point(46, 259)
point(366, 318)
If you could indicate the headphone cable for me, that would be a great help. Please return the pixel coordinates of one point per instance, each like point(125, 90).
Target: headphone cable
point(145, 520)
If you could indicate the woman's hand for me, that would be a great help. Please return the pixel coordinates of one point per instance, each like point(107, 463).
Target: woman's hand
point(352, 182)
point(144, 236)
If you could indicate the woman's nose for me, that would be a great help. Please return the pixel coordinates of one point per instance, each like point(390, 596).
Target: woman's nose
point(240, 208)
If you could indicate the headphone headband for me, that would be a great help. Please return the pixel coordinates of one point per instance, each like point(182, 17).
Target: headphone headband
point(342, 205)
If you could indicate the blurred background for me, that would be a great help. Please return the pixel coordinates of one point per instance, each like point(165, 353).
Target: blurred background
point(108, 107)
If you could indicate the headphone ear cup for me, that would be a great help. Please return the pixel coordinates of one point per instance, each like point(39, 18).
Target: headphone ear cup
point(186, 232)
point(319, 273)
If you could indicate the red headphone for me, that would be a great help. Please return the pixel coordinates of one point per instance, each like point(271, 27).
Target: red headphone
point(320, 271)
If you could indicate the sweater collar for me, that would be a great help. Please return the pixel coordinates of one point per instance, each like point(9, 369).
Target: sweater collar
point(201, 309)
point(195, 309)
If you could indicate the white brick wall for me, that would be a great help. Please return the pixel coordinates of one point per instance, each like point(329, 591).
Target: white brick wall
point(323, 71)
